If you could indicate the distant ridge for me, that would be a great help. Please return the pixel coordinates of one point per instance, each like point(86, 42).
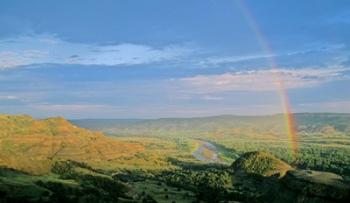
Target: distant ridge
point(308, 122)
point(215, 116)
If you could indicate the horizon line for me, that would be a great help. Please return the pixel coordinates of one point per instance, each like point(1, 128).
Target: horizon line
point(175, 117)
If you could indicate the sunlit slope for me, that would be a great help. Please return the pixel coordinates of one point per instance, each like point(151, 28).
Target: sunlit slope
point(32, 145)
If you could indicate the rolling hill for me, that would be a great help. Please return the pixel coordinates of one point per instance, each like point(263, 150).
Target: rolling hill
point(261, 163)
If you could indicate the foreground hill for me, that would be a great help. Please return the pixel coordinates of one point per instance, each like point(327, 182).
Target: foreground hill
point(68, 182)
point(33, 145)
point(261, 163)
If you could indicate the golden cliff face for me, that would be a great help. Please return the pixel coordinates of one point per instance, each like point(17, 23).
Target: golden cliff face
point(33, 145)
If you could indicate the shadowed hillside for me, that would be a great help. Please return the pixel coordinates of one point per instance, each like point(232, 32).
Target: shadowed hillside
point(261, 177)
point(68, 182)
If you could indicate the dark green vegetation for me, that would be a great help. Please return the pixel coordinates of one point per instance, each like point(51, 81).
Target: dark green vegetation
point(269, 179)
point(268, 165)
point(216, 159)
point(71, 181)
point(67, 182)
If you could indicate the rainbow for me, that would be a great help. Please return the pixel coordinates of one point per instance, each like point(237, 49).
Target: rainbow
point(283, 93)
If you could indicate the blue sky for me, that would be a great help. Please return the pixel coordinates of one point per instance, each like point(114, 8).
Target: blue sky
point(163, 58)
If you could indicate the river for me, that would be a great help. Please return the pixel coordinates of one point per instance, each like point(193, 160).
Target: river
point(206, 152)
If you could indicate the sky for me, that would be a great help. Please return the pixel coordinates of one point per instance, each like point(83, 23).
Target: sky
point(173, 58)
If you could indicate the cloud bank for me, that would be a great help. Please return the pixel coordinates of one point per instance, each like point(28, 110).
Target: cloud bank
point(264, 80)
point(43, 49)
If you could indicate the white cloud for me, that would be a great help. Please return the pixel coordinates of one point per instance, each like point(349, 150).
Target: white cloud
point(69, 107)
point(212, 98)
point(331, 50)
point(233, 59)
point(263, 80)
point(129, 54)
point(50, 49)
point(9, 59)
point(8, 97)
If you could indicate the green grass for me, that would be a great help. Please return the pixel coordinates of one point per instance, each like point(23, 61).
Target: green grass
point(7, 145)
point(162, 193)
point(18, 185)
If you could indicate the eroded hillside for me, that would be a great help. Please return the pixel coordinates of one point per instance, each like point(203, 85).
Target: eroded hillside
point(33, 145)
